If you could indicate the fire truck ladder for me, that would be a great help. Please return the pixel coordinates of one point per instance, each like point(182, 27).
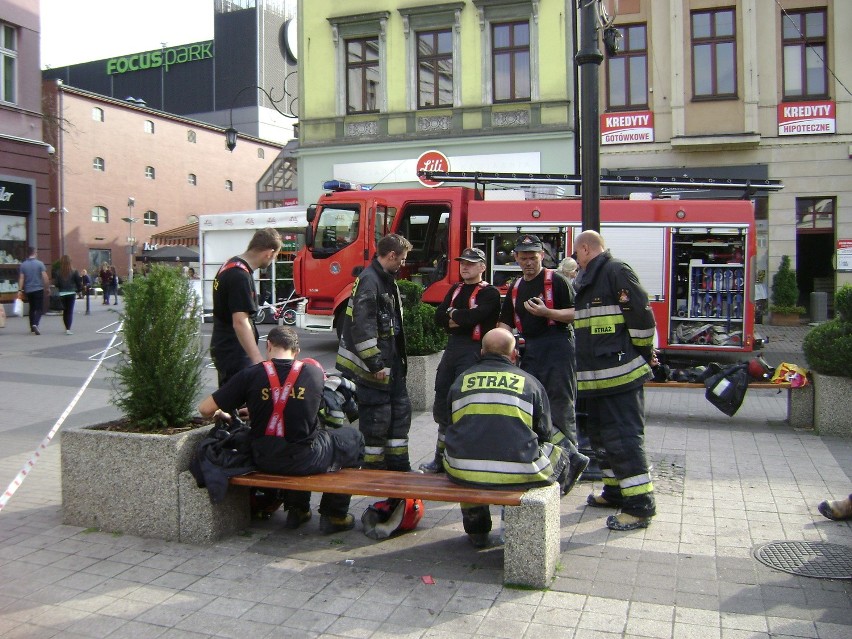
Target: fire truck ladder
point(479, 179)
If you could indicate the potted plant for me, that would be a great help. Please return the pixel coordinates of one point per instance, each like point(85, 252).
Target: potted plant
point(424, 342)
point(828, 351)
point(785, 296)
point(124, 475)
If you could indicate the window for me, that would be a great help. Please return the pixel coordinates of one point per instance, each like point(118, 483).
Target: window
point(97, 258)
point(100, 214)
point(627, 73)
point(190, 136)
point(98, 164)
point(813, 214)
point(434, 69)
point(510, 53)
point(714, 54)
point(261, 153)
point(229, 186)
point(97, 114)
point(149, 126)
point(362, 75)
point(8, 62)
point(150, 173)
point(192, 179)
point(337, 228)
point(150, 218)
point(805, 50)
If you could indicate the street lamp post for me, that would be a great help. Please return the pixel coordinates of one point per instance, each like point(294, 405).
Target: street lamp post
point(131, 241)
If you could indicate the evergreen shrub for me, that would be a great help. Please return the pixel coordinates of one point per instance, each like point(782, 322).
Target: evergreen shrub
point(157, 380)
point(785, 291)
point(422, 335)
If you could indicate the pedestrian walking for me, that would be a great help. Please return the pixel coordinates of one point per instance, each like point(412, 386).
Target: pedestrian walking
point(68, 282)
point(33, 286)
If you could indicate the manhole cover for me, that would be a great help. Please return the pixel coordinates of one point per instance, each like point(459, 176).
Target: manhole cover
point(807, 558)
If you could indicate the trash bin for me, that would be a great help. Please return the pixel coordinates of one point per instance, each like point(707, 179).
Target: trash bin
point(819, 306)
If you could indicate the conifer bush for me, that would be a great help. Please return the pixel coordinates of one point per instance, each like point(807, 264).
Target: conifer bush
point(785, 291)
point(422, 335)
point(157, 380)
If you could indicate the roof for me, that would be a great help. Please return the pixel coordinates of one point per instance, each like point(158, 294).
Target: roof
point(186, 235)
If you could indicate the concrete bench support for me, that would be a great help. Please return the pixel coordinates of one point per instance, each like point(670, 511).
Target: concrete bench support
point(202, 522)
point(532, 539)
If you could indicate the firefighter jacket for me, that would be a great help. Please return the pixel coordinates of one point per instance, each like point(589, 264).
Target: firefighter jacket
point(372, 337)
point(614, 329)
point(500, 434)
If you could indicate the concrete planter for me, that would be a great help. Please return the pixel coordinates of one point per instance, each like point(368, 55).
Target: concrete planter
point(832, 408)
point(421, 380)
point(125, 482)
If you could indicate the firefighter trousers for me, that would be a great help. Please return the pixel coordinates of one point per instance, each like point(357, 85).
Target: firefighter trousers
point(550, 358)
point(617, 430)
point(461, 353)
point(384, 418)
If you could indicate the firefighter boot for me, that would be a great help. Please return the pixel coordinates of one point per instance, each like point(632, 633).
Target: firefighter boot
point(296, 517)
point(436, 465)
point(330, 525)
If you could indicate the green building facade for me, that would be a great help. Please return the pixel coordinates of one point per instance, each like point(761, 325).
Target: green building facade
point(488, 83)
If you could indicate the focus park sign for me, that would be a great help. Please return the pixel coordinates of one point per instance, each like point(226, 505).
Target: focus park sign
point(431, 161)
point(160, 58)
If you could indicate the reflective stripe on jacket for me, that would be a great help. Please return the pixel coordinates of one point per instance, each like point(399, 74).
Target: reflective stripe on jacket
point(614, 328)
point(500, 434)
point(371, 337)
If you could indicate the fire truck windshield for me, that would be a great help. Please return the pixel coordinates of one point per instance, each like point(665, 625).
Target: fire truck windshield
point(336, 228)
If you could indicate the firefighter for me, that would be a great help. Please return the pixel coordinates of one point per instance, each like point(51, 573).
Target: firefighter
point(372, 354)
point(540, 306)
point(469, 310)
point(501, 435)
point(615, 345)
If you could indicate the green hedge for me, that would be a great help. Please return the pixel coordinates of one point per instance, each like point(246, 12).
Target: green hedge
point(422, 335)
point(828, 347)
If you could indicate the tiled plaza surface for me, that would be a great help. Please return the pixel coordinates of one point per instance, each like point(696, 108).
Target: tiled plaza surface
point(724, 486)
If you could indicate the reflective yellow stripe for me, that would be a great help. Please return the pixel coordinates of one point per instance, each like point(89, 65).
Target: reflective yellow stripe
point(612, 382)
point(599, 321)
point(478, 410)
point(642, 489)
point(610, 481)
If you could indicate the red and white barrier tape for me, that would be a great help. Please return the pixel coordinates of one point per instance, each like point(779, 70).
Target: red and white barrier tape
point(31, 462)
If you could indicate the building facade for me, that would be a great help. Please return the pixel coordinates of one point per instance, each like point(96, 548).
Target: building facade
point(488, 83)
point(25, 218)
point(117, 161)
point(745, 89)
point(212, 81)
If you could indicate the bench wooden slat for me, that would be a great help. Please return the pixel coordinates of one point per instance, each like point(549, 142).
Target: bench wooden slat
point(755, 385)
point(383, 483)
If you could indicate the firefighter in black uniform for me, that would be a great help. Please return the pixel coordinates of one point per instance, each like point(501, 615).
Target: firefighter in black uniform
point(615, 345)
point(283, 397)
point(501, 435)
point(540, 307)
point(469, 310)
point(372, 354)
point(233, 344)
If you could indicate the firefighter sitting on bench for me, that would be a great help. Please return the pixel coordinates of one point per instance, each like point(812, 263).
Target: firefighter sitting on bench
point(500, 432)
point(283, 397)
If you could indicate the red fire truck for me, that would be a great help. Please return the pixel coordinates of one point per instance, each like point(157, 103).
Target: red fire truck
point(696, 258)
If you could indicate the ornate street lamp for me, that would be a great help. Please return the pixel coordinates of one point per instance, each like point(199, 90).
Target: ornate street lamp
point(231, 133)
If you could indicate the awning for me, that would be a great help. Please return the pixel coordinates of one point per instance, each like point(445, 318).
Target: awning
point(170, 254)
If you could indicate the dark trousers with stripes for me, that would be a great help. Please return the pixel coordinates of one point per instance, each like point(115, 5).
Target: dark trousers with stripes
point(617, 430)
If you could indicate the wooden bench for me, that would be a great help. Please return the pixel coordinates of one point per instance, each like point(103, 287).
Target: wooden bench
point(800, 404)
point(531, 517)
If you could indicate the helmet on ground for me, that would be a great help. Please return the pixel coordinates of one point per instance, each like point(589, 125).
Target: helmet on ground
point(391, 516)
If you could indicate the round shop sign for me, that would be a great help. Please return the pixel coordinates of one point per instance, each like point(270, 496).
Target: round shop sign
point(334, 268)
point(431, 161)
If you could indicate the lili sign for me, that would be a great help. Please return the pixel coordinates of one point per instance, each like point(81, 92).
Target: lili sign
point(431, 161)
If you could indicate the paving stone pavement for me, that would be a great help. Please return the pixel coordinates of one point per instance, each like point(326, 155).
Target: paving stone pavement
point(724, 486)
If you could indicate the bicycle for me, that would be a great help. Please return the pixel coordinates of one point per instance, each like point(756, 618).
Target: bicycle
point(278, 311)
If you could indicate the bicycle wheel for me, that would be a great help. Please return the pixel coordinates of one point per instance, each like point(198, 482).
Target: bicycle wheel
point(260, 316)
point(289, 316)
